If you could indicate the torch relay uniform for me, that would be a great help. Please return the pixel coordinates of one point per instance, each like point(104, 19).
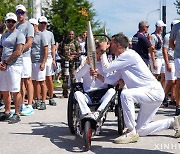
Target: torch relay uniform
point(142, 87)
point(90, 84)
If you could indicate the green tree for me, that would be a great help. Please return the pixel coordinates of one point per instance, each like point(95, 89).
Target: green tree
point(177, 3)
point(9, 6)
point(65, 15)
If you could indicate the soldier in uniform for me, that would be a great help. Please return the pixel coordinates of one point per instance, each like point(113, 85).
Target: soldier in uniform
point(69, 52)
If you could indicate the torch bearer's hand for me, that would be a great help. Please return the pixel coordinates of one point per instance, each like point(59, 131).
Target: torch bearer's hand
point(93, 72)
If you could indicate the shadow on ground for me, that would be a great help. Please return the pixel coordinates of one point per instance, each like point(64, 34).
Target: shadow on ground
point(59, 135)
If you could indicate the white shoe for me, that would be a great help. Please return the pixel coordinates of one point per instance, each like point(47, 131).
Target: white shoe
point(127, 138)
point(96, 115)
point(177, 127)
point(88, 115)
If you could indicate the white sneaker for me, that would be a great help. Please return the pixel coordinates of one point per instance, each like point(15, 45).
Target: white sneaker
point(89, 115)
point(177, 127)
point(127, 138)
point(96, 115)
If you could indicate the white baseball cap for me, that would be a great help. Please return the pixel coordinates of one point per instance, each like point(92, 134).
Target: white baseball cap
point(175, 22)
point(11, 15)
point(33, 21)
point(42, 19)
point(20, 7)
point(160, 23)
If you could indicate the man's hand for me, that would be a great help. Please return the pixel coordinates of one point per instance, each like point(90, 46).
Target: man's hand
point(3, 66)
point(120, 83)
point(169, 69)
point(54, 64)
point(155, 65)
point(42, 66)
point(93, 72)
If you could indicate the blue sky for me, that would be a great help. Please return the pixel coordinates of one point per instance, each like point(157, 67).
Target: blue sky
point(124, 15)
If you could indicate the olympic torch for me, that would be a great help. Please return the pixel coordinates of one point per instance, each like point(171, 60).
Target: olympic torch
point(91, 48)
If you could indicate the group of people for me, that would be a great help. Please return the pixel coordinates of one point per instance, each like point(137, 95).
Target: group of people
point(28, 60)
point(158, 54)
point(27, 63)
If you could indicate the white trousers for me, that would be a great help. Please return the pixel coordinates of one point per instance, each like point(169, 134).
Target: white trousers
point(83, 100)
point(150, 100)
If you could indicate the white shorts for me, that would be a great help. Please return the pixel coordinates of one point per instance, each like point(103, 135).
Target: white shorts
point(11, 79)
point(37, 74)
point(170, 75)
point(49, 67)
point(177, 67)
point(27, 67)
point(160, 66)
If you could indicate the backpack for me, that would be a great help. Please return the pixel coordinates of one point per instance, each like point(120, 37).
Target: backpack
point(158, 45)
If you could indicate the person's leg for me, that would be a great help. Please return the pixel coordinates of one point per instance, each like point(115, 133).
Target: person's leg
point(43, 90)
point(17, 101)
point(106, 99)
point(83, 100)
point(7, 101)
point(50, 87)
point(30, 90)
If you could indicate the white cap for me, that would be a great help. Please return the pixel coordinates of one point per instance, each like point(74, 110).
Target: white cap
point(11, 15)
point(33, 21)
point(175, 22)
point(160, 23)
point(20, 7)
point(42, 19)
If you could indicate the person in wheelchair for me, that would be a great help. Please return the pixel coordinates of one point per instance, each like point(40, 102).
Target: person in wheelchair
point(95, 90)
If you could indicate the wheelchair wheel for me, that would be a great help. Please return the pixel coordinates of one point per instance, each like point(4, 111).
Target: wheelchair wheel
point(87, 135)
point(120, 120)
point(71, 114)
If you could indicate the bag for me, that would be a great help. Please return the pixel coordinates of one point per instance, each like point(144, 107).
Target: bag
point(158, 45)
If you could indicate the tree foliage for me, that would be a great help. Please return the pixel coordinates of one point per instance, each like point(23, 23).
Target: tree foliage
point(9, 6)
point(65, 15)
point(177, 3)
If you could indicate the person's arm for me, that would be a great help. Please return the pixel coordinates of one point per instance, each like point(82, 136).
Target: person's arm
point(42, 66)
point(28, 44)
point(172, 44)
point(81, 71)
point(15, 54)
point(152, 52)
point(165, 52)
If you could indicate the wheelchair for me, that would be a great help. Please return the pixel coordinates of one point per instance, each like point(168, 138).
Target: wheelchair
point(87, 127)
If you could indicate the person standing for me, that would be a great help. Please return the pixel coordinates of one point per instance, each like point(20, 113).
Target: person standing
point(141, 86)
point(157, 61)
point(26, 82)
point(69, 52)
point(11, 48)
point(2, 30)
point(174, 43)
point(50, 63)
point(170, 77)
point(141, 42)
point(39, 53)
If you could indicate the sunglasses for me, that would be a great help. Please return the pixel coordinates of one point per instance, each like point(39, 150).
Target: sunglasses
point(147, 26)
point(11, 21)
point(19, 13)
point(43, 23)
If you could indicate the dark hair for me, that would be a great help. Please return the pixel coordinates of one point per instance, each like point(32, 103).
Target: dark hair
point(2, 27)
point(122, 39)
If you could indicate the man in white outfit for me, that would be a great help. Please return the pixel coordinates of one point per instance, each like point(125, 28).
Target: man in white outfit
point(93, 86)
point(142, 87)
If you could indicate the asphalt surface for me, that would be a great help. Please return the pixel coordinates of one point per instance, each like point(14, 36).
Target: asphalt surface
point(46, 132)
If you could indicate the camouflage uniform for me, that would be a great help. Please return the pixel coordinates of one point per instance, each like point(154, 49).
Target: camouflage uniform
point(66, 51)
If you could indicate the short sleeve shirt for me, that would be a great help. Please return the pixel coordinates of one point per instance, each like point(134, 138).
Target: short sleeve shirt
point(140, 44)
point(166, 45)
point(28, 31)
point(158, 52)
point(51, 41)
point(175, 35)
point(37, 49)
point(9, 41)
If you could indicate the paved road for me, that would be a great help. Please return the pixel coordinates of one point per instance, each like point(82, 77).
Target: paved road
point(46, 132)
